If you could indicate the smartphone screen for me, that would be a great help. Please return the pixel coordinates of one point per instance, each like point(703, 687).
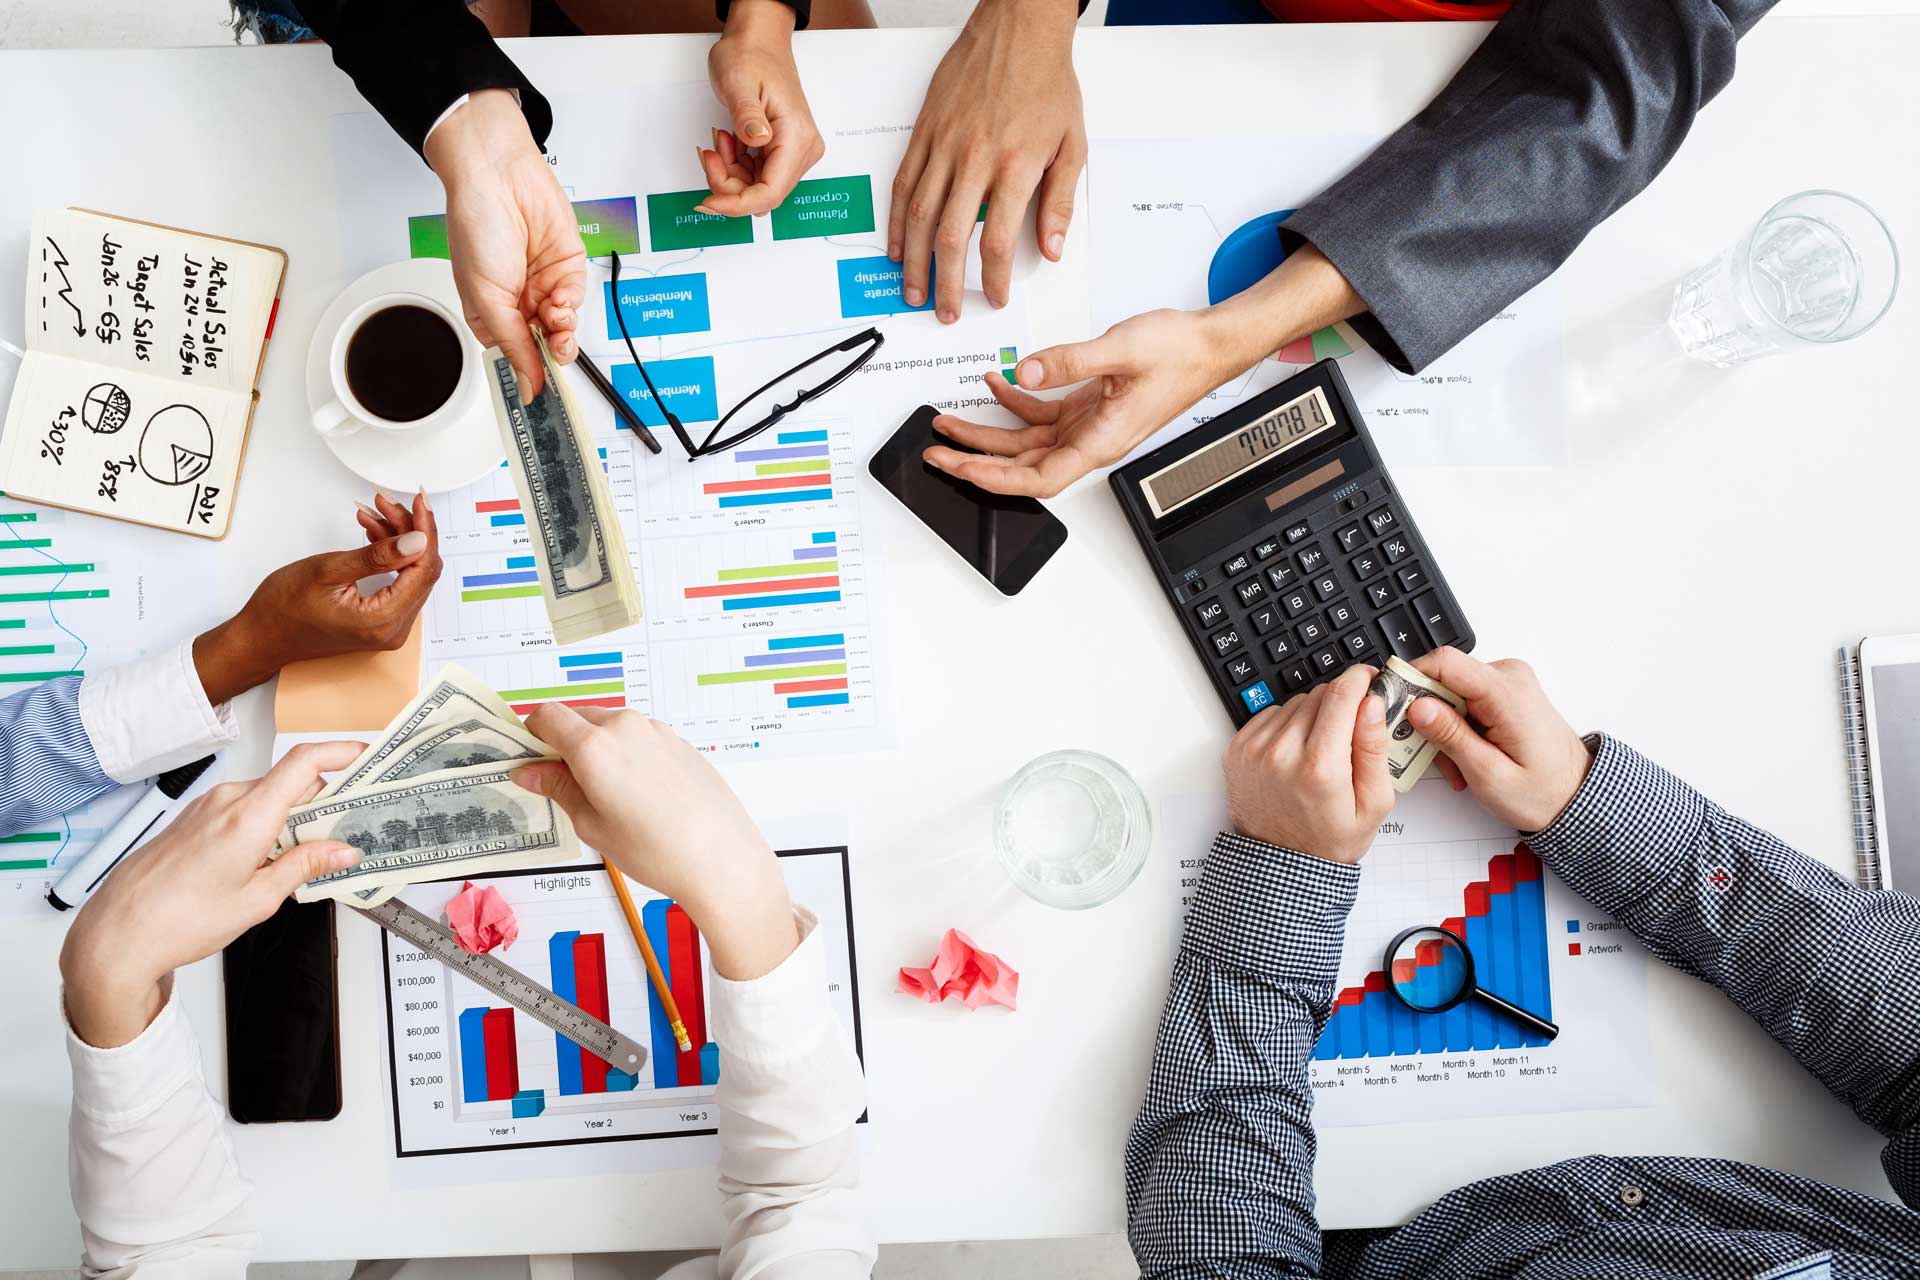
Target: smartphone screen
point(1895, 709)
point(1005, 539)
point(283, 1018)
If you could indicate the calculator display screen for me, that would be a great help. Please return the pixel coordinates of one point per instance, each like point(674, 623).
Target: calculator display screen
point(1233, 455)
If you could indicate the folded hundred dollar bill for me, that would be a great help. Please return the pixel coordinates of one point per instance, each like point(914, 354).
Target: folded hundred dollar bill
point(580, 551)
point(1408, 753)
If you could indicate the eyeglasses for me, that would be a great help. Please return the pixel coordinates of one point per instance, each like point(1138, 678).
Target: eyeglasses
point(768, 404)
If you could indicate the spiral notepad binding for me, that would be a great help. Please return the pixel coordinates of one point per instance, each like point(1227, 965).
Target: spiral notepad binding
point(1853, 711)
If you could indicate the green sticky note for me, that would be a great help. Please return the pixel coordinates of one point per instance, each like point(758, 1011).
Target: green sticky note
point(673, 223)
point(825, 207)
point(427, 236)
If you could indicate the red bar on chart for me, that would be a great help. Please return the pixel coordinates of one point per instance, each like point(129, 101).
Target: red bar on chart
point(1526, 864)
point(590, 993)
point(615, 701)
point(1500, 873)
point(761, 588)
point(809, 686)
point(770, 482)
point(497, 504)
point(689, 988)
point(503, 1056)
point(1476, 898)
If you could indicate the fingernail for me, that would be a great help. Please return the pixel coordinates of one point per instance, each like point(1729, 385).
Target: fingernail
point(368, 511)
point(421, 493)
point(1055, 243)
point(1031, 374)
point(996, 303)
point(411, 544)
point(915, 296)
point(756, 131)
point(700, 208)
point(1375, 708)
point(531, 779)
point(893, 251)
point(946, 316)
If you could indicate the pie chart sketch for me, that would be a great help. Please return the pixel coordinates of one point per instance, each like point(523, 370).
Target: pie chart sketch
point(177, 445)
point(106, 408)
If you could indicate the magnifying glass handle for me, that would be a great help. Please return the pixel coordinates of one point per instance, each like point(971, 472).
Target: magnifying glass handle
point(1538, 1025)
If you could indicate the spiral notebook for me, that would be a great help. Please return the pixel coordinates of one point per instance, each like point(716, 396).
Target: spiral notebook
point(144, 348)
point(1853, 718)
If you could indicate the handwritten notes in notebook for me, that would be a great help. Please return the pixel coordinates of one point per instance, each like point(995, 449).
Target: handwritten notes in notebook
point(144, 344)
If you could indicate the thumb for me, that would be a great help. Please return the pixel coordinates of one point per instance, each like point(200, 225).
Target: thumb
point(1076, 362)
point(1448, 730)
point(554, 779)
point(750, 120)
point(1372, 786)
point(504, 327)
point(384, 556)
point(302, 863)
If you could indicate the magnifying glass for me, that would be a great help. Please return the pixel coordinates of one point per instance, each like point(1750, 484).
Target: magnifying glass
point(1431, 970)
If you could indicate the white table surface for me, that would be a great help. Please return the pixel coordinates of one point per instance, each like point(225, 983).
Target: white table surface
point(1683, 581)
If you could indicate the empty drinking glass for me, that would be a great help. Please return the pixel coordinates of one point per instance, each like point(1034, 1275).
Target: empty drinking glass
point(1072, 829)
point(1819, 267)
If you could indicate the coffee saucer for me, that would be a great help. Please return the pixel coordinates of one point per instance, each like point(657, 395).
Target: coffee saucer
point(449, 457)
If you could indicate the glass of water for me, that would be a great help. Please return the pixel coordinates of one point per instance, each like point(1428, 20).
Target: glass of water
point(1072, 829)
point(1819, 267)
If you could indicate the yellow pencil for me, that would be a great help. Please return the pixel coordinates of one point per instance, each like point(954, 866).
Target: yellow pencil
point(680, 1036)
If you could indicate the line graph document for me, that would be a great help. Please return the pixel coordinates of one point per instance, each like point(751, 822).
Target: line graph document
point(1162, 208)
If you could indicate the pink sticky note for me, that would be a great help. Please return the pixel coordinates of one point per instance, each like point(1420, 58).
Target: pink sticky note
point(481, 919)
point(962, 969)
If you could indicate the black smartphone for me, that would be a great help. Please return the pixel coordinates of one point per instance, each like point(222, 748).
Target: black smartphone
point(1005, 539)
point(283, 1017)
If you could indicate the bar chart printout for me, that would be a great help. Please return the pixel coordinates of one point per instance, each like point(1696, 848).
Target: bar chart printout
point(471, 1077)
point(1439, 859)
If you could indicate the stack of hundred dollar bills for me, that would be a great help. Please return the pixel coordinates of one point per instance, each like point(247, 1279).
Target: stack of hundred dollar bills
point(433, 796)
point(579, 549)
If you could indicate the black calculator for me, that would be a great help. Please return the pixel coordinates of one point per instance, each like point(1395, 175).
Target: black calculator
point(1284, 547)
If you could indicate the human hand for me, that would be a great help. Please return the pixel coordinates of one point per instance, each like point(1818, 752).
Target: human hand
point(1527, 764)
point(512, 234)
point(313, 609)
point(1144, 372)
point(1001, 117)
point(1311, 774)
point(1136, 377)
point(192, 889)
point(752, 72)
point(661, 814)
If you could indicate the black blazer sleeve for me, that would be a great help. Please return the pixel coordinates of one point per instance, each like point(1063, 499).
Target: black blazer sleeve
point(411, 58)
point(1567, 110)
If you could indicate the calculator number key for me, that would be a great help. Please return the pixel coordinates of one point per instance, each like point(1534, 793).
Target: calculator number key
point(1211, 614)
point(1264, 619)
point(1325, 661)
point(1295, 603)
point(1312, 560)
point(1358, 644)
point(1241, 670)
point(1225, 642)
point(1280, 648)
point(1326, 586)
point(1251, 592)
point(1312, 631)
point(1295, 676)
point(1340, 613)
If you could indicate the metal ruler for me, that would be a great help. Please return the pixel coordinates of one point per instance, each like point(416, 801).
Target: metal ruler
point(512, 986)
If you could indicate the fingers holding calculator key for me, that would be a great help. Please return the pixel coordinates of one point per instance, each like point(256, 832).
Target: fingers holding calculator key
point(1312, 775)
point(1513, 750)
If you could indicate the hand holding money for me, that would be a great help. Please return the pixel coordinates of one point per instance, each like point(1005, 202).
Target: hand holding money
point(1518, 755)
point(1399, 686)
point(433, 795)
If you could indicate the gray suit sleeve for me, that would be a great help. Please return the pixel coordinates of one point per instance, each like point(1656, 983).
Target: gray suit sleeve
point(1567, 110)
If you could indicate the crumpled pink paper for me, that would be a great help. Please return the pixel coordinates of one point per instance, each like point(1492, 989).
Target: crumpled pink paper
point(963, 969)
point(481, 919)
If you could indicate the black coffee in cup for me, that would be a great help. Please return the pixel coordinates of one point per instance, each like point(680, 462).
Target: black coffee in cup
point(403, 362)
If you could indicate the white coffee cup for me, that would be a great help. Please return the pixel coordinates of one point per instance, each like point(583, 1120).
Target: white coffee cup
point(344, 414)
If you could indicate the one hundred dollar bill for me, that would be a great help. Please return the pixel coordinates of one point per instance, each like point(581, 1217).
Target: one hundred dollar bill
point(1408, 754)
point(457, 822)
point(453, 694)
point(586, 575)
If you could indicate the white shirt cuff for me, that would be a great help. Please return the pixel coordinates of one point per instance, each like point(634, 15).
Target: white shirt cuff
point(780, 1015)
point(121, 1086)
point(452, 107)
point(151, 715)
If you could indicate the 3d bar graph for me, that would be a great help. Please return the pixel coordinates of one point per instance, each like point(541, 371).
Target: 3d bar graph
point(578, 963)
point(676, 941)
point(1504, 921)
point(489, 1056)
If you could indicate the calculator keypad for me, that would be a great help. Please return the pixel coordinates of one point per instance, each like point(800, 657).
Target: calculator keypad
point(1344, 584)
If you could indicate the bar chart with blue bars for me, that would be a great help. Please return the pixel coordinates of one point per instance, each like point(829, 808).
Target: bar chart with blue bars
point(1504, 921)
point(787, 473)
point(753, 575)
point(465, 1063)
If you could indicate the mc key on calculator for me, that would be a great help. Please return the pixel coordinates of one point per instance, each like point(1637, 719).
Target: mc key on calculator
point(1283, 546)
